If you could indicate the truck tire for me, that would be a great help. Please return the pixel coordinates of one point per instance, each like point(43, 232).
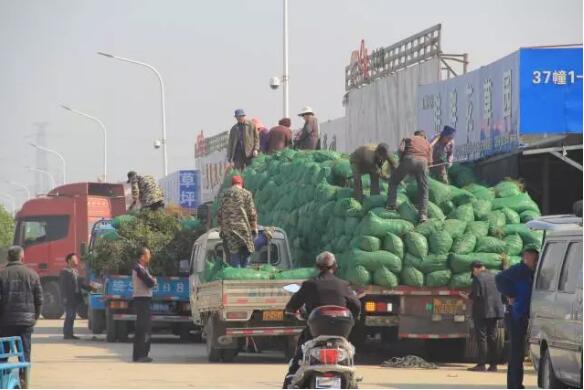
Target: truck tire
point(52, 308)
point(213, 353)
point(111, 334)
point(96, 321)
point(546, 376)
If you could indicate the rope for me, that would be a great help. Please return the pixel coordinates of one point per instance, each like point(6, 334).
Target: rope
point(409, 361)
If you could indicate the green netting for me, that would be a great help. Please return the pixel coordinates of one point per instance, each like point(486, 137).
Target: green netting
point(512, 260)
point(325, 192)
point(447, 207)
point(344, 192)
point(416, 244)
point(438, 278)
point(511, 216)
point(455, 227)
point(464, 244)
point(461, 280)
point(428, 263)
point(477, 228)
point(435, 212)
point(385, 278)
point(111, 236)
point(348, 207)
point(429, 227)
point(464, 213)
point(351, 225)
point(298, 273)
point(461, 197)
point(519, 203)
point(392, 243)
point(461, 263)
point(527, 235)
point(440, 242)
point(514, 244)
point(358, 275)
point(481, 208)
point(528, 215)
point(231, 273)
point(491, 245)
point(374, 201)
point(508, 188)
point(496, 221)
point(369, 243)
point(372, 225)
point(341, 172)
point(374, 260)
point(412, 277)
point(381, 212)
point(408, 212)
point(121, 220)
point(481, 192)
point(462, 175)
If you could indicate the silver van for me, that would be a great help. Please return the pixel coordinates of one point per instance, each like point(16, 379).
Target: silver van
point(555, 326)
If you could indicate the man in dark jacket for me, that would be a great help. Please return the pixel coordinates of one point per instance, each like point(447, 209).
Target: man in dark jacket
point(368, 159)
point(515, 283)
point(71, 286)
point(487, 309)
point(325, 289)
point(142, 283)
point(21, 297)
point(244, 141)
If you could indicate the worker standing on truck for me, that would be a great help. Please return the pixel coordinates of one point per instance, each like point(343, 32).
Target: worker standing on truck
point(415, 157)
point(308, 138)
point(487, 310)
point(515, 283)
point(21, 298)
point(442, 154)
point(146, 190)
point(143, 283)
point(280, 137)
point(244, 141)
point(368, 159)
point(71, 285)
point(237, 219)
point(324, 289)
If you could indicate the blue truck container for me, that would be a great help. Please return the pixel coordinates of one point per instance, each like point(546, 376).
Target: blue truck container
point(182, 188)
point(111, 310)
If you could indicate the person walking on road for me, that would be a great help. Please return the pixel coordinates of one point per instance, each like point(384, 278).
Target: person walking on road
point(71, 285)
point(244, 142)
point(280, 137)
point(21, 298)
point(487, 310)
point(143, 283)
point(515, 284)
point(237, 219)
point(442, 154)
point(368, 159)
point(146, 190)
point(415, 157)
point(309, 136)
point(322, 290)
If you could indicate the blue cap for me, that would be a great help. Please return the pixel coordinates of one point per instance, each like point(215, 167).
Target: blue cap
point(239, 112)
point(448, 131)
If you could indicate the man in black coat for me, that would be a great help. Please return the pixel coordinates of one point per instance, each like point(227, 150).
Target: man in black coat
point(325, 289)
point(487, 309)
point(71, 286)
point(21, 297)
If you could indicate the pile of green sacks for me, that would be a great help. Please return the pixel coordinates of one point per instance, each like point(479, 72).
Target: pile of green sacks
point(309, 195)
point(218, 270)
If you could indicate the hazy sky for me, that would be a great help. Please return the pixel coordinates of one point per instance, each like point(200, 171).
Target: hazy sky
point(214, 56)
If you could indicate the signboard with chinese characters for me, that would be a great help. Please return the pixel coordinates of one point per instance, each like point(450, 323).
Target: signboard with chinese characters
point(483, 105)
point(189, 189)
point(550, 90)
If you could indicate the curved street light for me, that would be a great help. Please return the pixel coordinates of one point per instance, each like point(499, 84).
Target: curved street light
point(103, 128)
point(49, 174)
point(24, 187)
point(162, 100)
point(56, 154)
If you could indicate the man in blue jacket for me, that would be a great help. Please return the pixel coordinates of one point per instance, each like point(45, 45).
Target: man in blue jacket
point(515, 283)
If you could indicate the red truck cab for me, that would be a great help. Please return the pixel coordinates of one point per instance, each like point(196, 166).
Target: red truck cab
point(52, 226)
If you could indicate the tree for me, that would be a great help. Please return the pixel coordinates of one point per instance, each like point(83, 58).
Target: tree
point(6, 227)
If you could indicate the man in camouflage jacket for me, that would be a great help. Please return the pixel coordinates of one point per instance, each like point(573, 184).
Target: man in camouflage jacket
point(146, 190)
point(237, 220)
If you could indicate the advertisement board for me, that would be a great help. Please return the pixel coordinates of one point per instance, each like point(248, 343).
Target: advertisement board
point(182, 188)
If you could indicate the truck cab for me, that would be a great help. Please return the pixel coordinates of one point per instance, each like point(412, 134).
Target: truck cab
point(52, 226)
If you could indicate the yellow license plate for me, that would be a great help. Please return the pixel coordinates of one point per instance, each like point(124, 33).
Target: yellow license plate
point(273, 315)
point(448, 306)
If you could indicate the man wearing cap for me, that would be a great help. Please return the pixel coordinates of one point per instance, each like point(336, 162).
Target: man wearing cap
point(322, 290)
point(415, 157)
point(244, 142)
point(308, 137)
point(280, 137)
point(487, 310)
point(442, 153)
point(146, 190)
point(368, 159)
point(515, 284)
point(237, 219)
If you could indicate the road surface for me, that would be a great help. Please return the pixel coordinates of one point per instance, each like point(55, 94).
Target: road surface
point(93, 363)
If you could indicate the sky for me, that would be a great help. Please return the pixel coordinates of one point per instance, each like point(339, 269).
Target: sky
point(214, 57)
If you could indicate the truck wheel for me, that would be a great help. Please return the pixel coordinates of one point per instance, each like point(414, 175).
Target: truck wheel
point(547, 378)
point(52, 308)
point(110, 327)
point(389, 335)
point(96, 321)
point(213, 354)
point(82, 311)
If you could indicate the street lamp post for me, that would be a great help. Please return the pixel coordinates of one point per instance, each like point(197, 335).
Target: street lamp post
point(49, 174)
point(12, 202)
point(162, 100)
point(56, 154)
point(285, 75)
point(103, 128)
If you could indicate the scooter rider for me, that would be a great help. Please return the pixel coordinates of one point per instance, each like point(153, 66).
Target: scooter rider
point(322, 290)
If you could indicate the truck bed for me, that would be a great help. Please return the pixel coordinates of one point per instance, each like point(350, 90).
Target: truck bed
point(244, 294)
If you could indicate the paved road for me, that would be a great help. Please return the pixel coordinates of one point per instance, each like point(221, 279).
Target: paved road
point(93, 363)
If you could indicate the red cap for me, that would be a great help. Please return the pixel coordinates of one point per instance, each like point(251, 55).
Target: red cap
point(237, 180)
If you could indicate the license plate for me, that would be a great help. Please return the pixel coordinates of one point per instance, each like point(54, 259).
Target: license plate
point(273, 315)
point(333, 382)
point(448, 306)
